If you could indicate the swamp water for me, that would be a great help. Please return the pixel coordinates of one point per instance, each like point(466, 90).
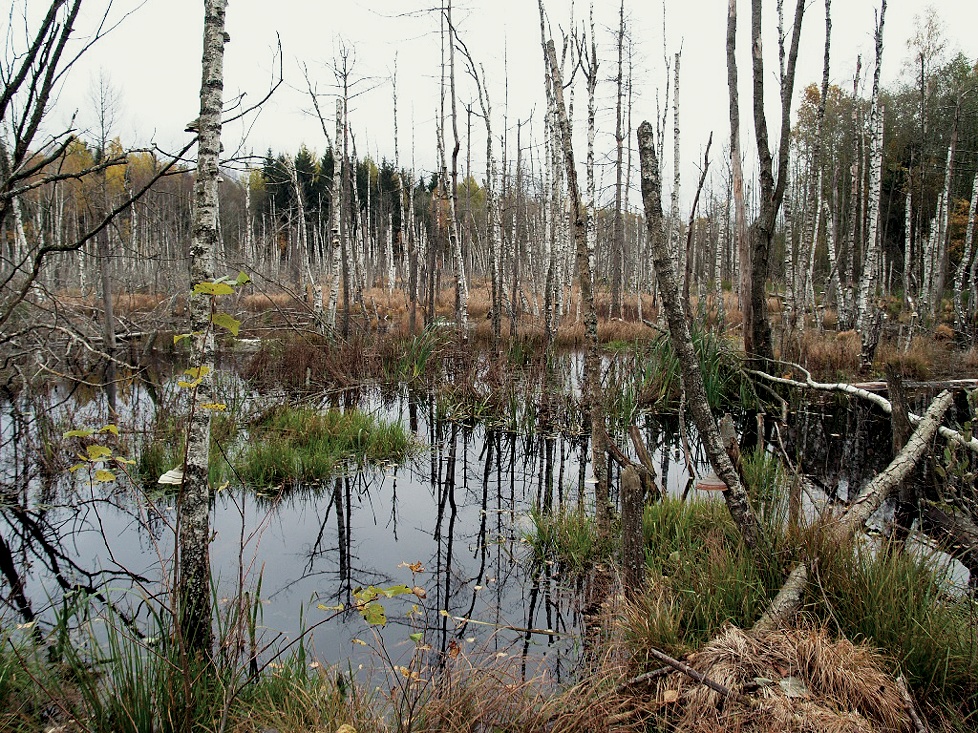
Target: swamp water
point(459, 508)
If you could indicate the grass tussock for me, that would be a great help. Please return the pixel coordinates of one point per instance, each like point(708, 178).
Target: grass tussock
point(107, 679)
point(483, 696)
point(799, 681)
point(569, 540)
point(826, 355)
point(290, 446)
point(898, 601)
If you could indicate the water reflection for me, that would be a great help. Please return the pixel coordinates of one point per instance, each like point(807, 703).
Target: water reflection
point(459, 509)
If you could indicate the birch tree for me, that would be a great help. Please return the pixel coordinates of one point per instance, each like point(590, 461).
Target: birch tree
point(736, 497)
point(866, 306)
point(193, 541)
point(757, 330)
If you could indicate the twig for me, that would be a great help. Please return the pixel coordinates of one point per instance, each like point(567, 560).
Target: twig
point(919, 725)
point(698, 676)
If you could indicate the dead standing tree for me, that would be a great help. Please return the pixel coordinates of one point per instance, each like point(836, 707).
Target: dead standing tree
point(592, 359)
point(758, 342)
point(735, 495)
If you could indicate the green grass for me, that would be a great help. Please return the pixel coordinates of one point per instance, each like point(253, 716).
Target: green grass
point(300, 445)
point(109, 679)
point(898, 601)
point(569, 539)
point(649, 376)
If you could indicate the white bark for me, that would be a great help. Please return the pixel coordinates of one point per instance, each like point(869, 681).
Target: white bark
point(959, 314)
point(194, 614)
point(868, 282)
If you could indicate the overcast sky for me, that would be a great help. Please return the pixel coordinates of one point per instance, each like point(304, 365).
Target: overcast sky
point(153, 59)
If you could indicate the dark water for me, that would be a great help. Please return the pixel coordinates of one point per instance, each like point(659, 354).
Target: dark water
point(459, 508)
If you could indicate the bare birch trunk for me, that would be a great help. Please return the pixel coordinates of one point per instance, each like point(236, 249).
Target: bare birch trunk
point(865, 309)
point(193, 541)
point(592, 359)
point(618, 235)
point(336, 208)
point(741, 241)
point(969, 234)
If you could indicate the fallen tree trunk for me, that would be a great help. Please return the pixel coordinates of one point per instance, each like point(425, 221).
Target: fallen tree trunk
point(789, 598)
point(856, 391)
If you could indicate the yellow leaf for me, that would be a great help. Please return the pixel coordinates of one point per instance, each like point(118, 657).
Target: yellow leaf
point(103, 476)
point(77, 433)
point(197, 372)
point(109, 429)
point(213, 288)
point(218, 406)
point(670, 696)
point(98, 452)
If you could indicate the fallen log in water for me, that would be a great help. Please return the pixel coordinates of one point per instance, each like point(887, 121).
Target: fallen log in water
point(789, 598)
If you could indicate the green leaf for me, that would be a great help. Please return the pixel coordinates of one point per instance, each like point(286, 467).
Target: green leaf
point(416, 637)
point(242, 278)
point(184, 384)
point(396, 590)
point(98, 452)
point(213, 288)
point(178, 337)
point(78, 433)
point(373, 614)
point(109, 429)
point(227, 322)
point(103, 476)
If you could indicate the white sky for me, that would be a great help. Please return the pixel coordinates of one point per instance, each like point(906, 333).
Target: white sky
point(153, 59)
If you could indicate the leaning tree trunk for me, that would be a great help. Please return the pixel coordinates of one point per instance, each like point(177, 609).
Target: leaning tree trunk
point(682, 342)
point(193, 541)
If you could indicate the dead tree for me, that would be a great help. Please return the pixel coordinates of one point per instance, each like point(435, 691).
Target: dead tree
point(736, 497)
point(840, 532)
point(758, 342)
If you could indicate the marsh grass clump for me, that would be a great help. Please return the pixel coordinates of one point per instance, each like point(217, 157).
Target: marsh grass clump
point(649, 376)
point(568, 539)
point(107, 676)
point(798, 680)
point(700, 576)
point(899, 601)
point(301, 445)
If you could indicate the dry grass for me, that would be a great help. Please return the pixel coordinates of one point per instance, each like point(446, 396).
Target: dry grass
point(798, 680)
point(825, 355)
point(484, 696)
